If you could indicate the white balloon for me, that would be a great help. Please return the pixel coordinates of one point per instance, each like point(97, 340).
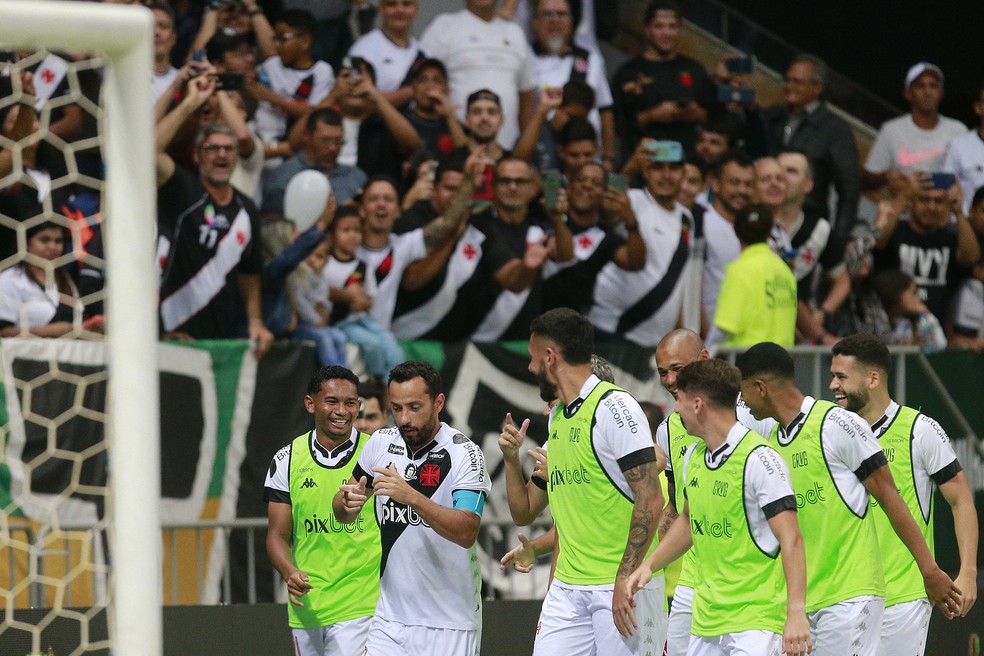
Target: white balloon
point(305, 198)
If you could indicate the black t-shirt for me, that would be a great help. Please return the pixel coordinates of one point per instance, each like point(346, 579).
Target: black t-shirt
point(929, 258)
point(210, 245)
point(642, 84)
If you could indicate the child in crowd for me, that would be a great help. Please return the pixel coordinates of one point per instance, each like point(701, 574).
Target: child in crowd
point(345, 275)
point(309, 292)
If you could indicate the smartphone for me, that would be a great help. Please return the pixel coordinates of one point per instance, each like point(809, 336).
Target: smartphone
point(740, 96)
point(198, 55)
point(618, 182)
point(229, 81)
point(552, 182)
point(943, 180)
point(740, 64)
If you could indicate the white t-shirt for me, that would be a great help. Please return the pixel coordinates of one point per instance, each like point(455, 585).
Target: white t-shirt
point(554, 71)
point(483, 55)
point(847, 442)
point(766, 481)
point(931, 452)
point(723, 248)
point(903, 146)
point(617, 290)
point(21, 296)
point(425, 579)
point(160, 82)
point(384, 270)
point(968, 308)
point(392, 62)
point(965, 159)
point(314, 84)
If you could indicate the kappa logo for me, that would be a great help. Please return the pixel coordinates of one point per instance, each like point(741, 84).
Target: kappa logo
point(395, 449)
point(683, 451)
point(309, 483)
point(693, 482)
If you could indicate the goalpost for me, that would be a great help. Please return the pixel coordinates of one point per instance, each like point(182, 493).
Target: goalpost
point(123, 36)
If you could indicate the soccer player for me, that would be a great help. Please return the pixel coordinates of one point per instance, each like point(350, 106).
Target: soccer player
point(921, 458)
point(430, 484)
point(332, 571)
point(739, 514)
point(836, 463)
point(675, 351)
point(603, 489)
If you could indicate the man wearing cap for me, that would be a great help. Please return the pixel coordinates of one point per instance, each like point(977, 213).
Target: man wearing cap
point(913, 143)
point(642, 306)
point(482, 50)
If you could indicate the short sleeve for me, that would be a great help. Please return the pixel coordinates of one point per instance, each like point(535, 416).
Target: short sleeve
point(663, 441)
point(623, 429)
point(470, 472)
point(848, 438)
point(276, 487)
point(931, 446)
point(767, 478)
point(879, 157)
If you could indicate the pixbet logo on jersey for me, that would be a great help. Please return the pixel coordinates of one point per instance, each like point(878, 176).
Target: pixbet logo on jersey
point(316, 524)
point(568, 476)
point(397, 513)
point(812, 496)
point(714, 529)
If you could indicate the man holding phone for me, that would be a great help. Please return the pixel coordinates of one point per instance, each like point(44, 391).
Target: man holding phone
point(929, 247)
point(912, 145)
point(641, 306)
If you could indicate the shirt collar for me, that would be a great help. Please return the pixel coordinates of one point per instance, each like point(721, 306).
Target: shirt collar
point(720, 455)
point(586, 388)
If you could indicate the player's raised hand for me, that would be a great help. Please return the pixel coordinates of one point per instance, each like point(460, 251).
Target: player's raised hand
point(511, 438)
point(520, 557)
point(354, 496)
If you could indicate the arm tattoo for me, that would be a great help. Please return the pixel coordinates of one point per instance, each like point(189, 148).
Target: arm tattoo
point(644, 482)
point(445, 226)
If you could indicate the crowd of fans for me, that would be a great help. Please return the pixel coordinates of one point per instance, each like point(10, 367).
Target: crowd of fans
point(486, 173)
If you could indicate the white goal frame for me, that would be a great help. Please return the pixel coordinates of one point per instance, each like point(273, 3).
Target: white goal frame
point(123, 35)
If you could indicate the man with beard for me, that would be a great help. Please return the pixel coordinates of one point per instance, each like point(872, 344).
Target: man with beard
point(603, 489)
point(210, 285)
point(430, 484)
point(921, 459)
point(732, 184)
point(675, 351)
point(836, 467)
point(332, 576)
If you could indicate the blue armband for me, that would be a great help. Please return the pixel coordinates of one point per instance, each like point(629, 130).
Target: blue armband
point(472, 500)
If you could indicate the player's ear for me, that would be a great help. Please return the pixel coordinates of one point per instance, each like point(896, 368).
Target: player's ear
point(439, 401)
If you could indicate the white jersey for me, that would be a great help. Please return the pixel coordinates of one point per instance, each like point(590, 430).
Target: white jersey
point(767, 488)
point(555, 71)
point(305, 86)
point(965, 159)
point(22, 297)
point(384, 270)
point(483, 55)
point(392, 62)
point(723, 248)
point(933, 457)
point(425, 579)
point(645, 305)
point(847, 443)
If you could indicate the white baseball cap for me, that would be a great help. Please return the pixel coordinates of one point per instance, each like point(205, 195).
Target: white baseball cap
point(918, 69)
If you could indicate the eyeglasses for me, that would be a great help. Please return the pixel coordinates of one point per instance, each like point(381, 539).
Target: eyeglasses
point(513, 181)
point(214, 148)
point(553, 14)
point(286, 36)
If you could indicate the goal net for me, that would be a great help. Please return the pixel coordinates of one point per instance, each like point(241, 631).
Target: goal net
point(80, 545)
